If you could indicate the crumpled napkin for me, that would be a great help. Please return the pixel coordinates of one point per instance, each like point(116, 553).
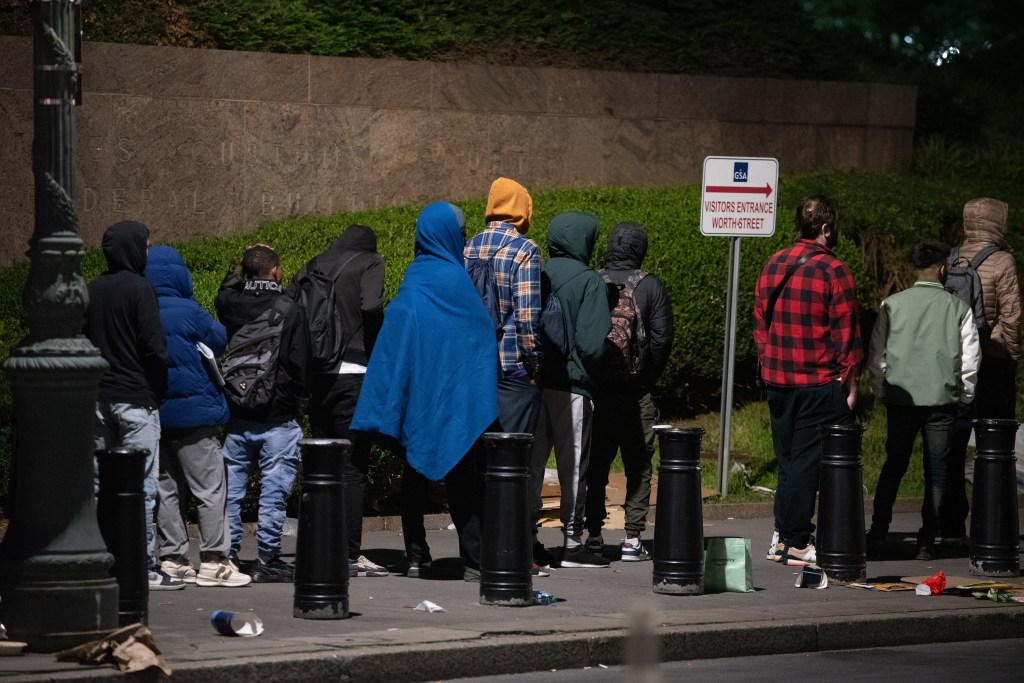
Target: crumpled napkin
point(131, 648)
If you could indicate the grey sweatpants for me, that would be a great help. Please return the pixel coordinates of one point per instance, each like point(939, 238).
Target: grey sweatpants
point(191, 460)
point(564, 423)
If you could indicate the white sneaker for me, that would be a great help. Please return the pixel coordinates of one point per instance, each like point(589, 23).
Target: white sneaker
point(364, 566)
point(221, 574)
point(795, 557)
point(185, 572)
point(771, 549)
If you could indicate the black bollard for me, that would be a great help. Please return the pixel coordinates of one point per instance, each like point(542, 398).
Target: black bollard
point(506, 553)
point(842, 546)
point(679, 520)
point(995, 528)
point(121, 514)
point(321, 547)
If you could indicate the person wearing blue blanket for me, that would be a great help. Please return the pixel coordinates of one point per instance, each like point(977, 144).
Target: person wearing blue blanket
point(431, 384)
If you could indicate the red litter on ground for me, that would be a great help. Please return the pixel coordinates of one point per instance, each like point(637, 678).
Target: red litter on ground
point(933, 585)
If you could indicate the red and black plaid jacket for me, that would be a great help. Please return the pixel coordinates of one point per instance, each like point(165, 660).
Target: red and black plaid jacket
point(814, 336)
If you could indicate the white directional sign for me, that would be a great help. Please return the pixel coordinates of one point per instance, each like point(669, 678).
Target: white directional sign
point(738, 198)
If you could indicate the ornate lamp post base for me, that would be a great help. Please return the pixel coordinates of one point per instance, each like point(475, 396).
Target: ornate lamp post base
point(55, 587)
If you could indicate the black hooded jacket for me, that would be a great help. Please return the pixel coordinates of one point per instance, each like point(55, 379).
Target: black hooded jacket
point(627, 248)
point(123, 321)
point(358, 288)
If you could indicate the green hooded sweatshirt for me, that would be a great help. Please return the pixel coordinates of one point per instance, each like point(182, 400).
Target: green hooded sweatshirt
point(584, 298)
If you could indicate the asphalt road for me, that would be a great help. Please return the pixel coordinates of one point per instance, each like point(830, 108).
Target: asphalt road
point(983, 660)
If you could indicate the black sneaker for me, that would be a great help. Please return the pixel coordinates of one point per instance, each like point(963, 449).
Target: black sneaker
point(925, 552)
point(274, 570)
point(875, 546)
point(418, 569)
point(579, 556)
point(541, 556)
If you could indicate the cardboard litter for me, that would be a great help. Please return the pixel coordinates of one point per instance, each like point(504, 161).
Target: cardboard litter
point(961, 581)
point(131, 648)
point(614, 499)
point(884, 587)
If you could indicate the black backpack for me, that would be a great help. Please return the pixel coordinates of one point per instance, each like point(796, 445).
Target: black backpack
point(315, 294)
point(963, 282)
point(249, 366)
point(624, 346)
point(481, 272)
point(557, 332)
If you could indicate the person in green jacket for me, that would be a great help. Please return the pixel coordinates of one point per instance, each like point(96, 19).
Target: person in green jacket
point(567, 406)
point(924, 363)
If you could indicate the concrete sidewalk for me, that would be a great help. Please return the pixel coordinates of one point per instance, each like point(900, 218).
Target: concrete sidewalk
point(386, 639)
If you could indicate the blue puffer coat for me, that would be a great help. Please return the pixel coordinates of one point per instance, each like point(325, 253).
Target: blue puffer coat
point(192, 400)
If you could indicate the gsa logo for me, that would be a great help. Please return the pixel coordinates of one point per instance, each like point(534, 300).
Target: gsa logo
point(739, 172)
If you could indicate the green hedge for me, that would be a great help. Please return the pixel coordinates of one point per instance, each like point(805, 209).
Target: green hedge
point(881, 215)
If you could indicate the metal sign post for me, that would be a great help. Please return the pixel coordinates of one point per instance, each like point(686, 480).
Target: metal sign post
point(738, 200)
point(728, 363)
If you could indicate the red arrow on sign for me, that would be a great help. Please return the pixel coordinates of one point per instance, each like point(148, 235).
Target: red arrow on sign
point(740, 189)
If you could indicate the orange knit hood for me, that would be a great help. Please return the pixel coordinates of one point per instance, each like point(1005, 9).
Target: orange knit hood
point(509, 202)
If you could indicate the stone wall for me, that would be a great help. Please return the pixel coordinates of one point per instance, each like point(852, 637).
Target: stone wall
point(208, 142)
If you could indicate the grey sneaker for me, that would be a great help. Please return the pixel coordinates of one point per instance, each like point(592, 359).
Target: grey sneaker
point(634, 551)
point(362, 566)
point(158, 581)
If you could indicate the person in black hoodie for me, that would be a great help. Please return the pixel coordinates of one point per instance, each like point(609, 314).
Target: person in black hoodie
point(624, 411)
point(123, 321)
point(266, 437)
point(358, 273)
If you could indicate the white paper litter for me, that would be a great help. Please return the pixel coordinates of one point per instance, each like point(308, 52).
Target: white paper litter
point(427, 606)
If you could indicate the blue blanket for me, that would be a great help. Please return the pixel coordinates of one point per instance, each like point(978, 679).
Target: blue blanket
point(431, 383)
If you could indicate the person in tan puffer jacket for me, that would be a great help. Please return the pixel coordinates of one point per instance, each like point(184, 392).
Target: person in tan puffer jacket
point(996, 394)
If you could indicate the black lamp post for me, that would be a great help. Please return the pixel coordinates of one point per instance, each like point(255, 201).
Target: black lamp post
point(55, 587)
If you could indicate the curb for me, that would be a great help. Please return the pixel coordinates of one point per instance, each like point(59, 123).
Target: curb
point(490, 654)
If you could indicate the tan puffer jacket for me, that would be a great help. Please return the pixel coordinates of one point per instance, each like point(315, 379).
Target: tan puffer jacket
point(984, 225)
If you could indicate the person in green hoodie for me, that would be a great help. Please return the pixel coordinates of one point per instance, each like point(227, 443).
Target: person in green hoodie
point(567, 406)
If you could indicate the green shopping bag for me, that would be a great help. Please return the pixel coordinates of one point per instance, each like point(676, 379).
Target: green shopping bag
point(727, 565)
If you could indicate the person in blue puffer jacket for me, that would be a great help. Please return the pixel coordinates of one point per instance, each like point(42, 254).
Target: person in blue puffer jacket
point(191, 413)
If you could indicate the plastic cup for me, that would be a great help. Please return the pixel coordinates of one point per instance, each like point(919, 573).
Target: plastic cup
point(244, 625)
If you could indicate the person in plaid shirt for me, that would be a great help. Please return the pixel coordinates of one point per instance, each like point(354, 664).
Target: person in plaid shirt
point(515, 262)
point(809, 349)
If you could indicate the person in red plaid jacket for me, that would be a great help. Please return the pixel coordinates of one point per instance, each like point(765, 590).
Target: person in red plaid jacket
point(809, 349)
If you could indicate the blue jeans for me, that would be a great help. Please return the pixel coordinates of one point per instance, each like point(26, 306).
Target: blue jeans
point(935, 423)
point(122, 425)
point(274, 449)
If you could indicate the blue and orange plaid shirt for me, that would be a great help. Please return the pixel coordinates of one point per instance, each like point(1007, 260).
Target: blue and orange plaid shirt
point(814, 336)
point(516, 266)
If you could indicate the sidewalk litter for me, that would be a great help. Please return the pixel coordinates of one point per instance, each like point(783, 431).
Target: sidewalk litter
point(884, 587)
point(236, 623)
point(131, 648)
point(427, 606)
